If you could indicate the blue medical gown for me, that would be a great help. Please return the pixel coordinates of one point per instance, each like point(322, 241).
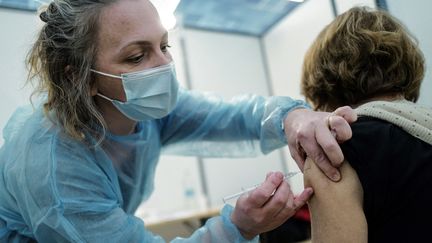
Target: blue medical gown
point(57, 189)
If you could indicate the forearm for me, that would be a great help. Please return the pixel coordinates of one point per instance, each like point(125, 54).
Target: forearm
point(247, 125)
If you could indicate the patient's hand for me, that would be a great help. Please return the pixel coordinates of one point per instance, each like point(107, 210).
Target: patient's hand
point(261, 210)
point(317, 134)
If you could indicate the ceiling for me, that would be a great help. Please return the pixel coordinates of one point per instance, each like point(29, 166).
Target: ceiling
point(247, 17)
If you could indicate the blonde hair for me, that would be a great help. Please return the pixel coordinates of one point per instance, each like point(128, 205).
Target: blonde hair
point(363, 53)
point(61, 59)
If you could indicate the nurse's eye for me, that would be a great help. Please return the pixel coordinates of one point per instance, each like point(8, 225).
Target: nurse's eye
point(164, 48)
point(136, 59)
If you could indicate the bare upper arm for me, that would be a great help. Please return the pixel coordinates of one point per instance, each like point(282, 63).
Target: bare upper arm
point(336, 207)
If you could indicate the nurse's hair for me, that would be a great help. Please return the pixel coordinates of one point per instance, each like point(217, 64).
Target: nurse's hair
point(60, 61)
point(362, 54)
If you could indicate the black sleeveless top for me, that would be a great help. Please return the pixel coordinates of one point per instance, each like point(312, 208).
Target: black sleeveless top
point(395, 170)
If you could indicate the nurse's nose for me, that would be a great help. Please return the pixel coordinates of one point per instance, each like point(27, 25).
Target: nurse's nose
point(161, 58)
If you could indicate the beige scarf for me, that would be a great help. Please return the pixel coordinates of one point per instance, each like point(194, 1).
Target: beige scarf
point(413, 118)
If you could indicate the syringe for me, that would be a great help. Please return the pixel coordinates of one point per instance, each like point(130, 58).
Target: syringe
point(225, 199)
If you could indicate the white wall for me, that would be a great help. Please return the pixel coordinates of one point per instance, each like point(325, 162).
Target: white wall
point(229, 65)
point(225, 63)
point(17, 30)
point(417, 17)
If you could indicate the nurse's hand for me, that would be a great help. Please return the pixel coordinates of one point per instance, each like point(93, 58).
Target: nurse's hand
point(261, 210)
point(317, 134)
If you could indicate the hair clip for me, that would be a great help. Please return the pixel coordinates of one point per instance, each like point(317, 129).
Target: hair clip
point(43, 16)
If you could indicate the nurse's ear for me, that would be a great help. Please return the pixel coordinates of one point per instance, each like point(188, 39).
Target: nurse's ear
point(93, 88)
point(93, 85)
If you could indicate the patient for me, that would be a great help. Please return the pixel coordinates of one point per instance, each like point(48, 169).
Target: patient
point(366, 59)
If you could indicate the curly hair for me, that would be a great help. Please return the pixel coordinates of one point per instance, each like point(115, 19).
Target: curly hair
point(60, 62)
point(362, 54)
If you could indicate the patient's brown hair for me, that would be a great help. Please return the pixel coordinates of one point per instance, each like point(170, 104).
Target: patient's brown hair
point(362, 54)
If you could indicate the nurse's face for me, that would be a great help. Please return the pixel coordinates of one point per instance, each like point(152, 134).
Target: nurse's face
point(131, 38)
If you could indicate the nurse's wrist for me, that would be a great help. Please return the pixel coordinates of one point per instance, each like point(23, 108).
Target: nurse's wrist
point(246, 235)
point(233, 230)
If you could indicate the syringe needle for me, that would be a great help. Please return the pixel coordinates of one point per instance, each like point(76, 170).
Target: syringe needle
point(238, 194)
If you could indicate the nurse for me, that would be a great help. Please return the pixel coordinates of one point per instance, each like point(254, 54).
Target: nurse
point(75, 168)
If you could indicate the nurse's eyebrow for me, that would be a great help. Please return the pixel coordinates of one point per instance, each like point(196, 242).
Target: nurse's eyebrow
point(138, 43)
point(145, 42)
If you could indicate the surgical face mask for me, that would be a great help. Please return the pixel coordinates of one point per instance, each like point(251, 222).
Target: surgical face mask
point(150, 94)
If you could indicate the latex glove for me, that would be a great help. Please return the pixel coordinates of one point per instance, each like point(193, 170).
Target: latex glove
point(317, 134)
point(261, 210)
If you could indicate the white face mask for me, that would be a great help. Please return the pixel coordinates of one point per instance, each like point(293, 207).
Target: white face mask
point(150, 94)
